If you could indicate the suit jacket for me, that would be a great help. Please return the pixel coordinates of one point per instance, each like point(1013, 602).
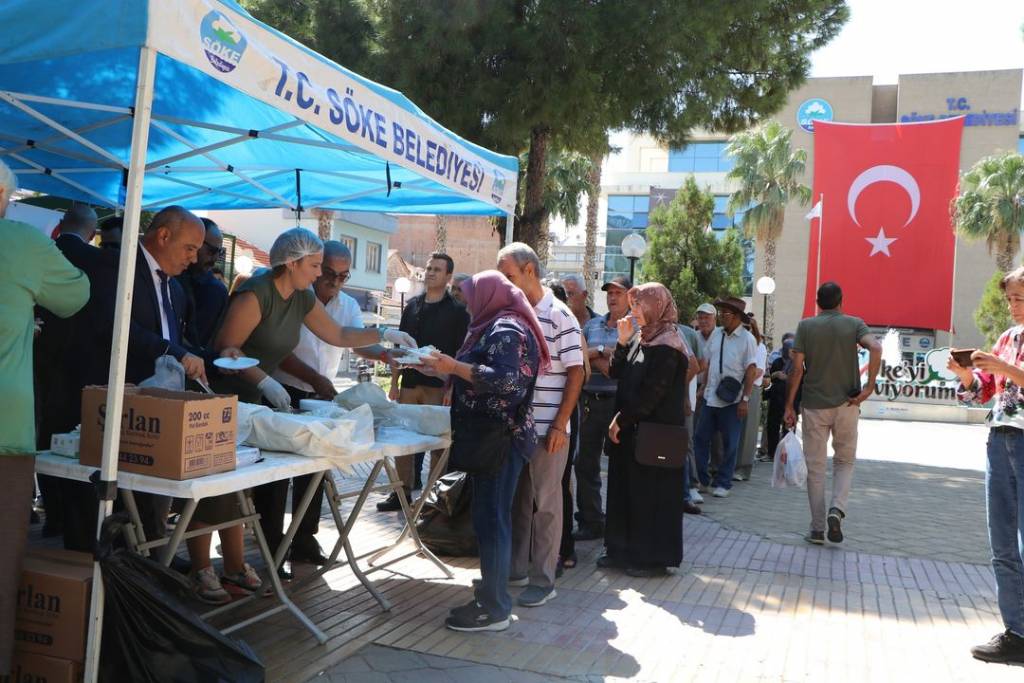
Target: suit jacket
point(207, 303)
point(146, 343)
point(74, 352)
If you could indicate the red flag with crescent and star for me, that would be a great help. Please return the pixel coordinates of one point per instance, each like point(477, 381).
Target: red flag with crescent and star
point(886, 235)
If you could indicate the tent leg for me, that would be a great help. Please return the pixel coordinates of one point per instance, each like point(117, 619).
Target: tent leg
point(122, 319)
point(509, 226)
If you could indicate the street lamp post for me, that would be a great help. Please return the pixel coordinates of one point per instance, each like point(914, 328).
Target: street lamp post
point(402, 286)
point(765, 287)
point(634, 246)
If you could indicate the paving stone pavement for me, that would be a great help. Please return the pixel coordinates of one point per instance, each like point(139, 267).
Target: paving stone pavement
point(902, 600)
point(918, 491)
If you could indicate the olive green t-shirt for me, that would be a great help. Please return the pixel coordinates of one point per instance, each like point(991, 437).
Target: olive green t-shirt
point(829, 342)
point(276, 335)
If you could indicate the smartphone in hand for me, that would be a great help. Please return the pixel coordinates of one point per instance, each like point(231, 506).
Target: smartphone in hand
point(963, 357)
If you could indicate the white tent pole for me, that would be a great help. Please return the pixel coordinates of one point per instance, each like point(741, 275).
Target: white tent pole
point(509, 225)
point(122, 320)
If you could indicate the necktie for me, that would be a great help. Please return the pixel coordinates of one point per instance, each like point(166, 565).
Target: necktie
point(165, 297)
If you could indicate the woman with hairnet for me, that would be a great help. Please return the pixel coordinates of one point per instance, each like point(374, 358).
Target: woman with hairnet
point(263, 321)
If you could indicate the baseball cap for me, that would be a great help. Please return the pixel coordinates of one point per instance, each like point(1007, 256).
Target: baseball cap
point(622, 281)
point(707, 308)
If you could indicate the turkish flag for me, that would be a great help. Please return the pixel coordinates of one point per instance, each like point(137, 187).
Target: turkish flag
point(885, 231)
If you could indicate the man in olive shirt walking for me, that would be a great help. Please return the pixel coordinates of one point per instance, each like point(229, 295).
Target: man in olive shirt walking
point(825, 359)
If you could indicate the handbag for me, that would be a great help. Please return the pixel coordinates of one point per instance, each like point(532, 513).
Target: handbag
point(728, 388)
point(661, 445)
point(480, 444)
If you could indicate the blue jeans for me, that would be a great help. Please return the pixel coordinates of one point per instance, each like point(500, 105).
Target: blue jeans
point(492, 522)
point(1004, 492)
point(714, 420)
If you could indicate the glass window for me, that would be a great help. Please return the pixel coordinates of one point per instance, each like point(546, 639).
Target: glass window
point(350, 242)
point(700, 157)
point(373, 252)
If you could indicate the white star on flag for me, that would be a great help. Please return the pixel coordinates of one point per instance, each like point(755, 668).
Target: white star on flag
point(880, 244)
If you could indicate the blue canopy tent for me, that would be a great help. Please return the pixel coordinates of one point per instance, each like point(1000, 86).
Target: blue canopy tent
point(137, 104)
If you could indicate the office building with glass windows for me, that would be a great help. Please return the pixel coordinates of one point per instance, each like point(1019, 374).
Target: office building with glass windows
point(643, 173)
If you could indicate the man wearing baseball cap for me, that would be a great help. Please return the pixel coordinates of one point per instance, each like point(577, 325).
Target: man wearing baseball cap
point(597, 407)
point(731, 368)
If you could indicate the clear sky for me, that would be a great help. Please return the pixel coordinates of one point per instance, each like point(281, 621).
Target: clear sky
point(886, 38)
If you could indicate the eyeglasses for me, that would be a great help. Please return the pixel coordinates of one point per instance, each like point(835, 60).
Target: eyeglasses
point(331, 276)
point(219, 252)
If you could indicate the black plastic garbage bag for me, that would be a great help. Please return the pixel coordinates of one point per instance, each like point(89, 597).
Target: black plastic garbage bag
point(446, 525)
point(151, 634)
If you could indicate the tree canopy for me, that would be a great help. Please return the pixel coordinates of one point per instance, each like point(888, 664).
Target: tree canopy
point(558, 74)
point(685, 255)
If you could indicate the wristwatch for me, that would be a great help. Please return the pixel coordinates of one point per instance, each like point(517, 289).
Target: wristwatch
point(745, 399)
point(600, 349)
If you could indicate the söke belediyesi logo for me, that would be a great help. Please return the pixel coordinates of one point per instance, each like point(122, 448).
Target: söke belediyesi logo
point(223, 43)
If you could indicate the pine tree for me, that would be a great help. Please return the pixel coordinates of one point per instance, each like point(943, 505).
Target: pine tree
point(685, 255)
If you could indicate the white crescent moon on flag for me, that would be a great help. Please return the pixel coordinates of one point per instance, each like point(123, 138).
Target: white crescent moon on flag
point(880, 174)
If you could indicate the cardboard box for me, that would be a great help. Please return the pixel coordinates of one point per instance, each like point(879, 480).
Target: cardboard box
point(169, 434)
point(53, 605)
point(27, 667)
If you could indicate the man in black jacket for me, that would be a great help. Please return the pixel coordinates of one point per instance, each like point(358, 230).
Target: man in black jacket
point(69, 354)
point(206, 296)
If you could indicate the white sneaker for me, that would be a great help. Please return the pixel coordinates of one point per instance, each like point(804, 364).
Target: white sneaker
point(721, 493)
point(207, 587)
point(695, 497)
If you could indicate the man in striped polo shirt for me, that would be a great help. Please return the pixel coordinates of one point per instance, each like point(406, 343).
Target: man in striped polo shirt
point(537, 507)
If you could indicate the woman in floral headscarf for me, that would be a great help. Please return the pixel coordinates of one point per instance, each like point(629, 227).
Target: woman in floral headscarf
point(644, 517)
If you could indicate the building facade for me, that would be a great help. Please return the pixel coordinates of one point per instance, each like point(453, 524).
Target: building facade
point(642, 173)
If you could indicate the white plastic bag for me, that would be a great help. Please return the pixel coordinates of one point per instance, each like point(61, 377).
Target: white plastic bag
point(337, 439)
point(789, 468)
point(246, 412)
point(430, 420)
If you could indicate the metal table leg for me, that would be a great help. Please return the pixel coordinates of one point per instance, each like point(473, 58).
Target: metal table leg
point(411, 515)
point(179, 533)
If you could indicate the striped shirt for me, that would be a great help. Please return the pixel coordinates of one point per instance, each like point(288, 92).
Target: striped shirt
point(562, 332)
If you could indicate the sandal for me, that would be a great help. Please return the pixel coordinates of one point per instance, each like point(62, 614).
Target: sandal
point(568, 562)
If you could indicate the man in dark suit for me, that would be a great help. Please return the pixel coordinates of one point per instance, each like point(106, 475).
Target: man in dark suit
point(159, 312)
point(71, 353)
point(159, 306)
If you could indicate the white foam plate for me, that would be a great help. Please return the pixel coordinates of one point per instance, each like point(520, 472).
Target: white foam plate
point(236, 363)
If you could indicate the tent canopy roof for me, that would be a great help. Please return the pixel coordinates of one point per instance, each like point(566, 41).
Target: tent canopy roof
point(243, 117)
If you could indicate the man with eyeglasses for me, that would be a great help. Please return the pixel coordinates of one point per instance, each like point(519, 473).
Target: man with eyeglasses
point(310, 370)
point(206, 297)
point(433, 318)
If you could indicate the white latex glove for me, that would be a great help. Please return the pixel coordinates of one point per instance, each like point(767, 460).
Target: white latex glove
point(275, 393)
point(399, 338)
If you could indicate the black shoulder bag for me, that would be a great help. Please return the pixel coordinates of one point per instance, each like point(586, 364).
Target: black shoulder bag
point(659, 444)
point(729, 388)
point(482, 443)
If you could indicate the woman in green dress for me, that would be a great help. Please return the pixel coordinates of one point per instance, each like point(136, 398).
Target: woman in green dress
point(263, 321)
point(32, 272)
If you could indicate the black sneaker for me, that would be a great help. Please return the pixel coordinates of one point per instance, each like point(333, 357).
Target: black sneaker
point(1005, 648)
point(391, 503)
point(474, 617)
point(606, 562)
point(815, 537)
point(835, 525)
point(690, 509)
point(308, 551)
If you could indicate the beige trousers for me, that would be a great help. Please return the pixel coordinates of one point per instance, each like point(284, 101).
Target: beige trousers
point(537, 517)
point(818, 424)
point(15, 505)
point(417, 396)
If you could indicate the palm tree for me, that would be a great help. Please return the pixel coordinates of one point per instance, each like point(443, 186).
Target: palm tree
point(991, 205)
point(768, 171)
point(566, 180)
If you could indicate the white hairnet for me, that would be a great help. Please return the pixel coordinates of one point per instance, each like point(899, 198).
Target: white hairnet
point(291, 245)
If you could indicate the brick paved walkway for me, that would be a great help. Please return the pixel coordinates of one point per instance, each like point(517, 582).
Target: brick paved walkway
point(902, 599)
